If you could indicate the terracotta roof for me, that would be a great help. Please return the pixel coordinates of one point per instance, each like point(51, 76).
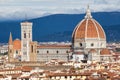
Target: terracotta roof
point(14, 69)
point(3, 76)
point(17, 44)
point(54, 46)
point(69, 74)
point(105, 52)
point(15, 75)
point(23, 77)
point(116, 78)
point(92, 51)
point(26, 69)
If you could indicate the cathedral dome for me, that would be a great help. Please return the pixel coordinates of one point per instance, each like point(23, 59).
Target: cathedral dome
point(89, 28)
point(17, 44)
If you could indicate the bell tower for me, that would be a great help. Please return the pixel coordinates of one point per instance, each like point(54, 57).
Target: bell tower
point(10, 49)
point(26, 38)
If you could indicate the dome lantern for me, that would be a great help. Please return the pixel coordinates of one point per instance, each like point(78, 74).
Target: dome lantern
point(88, 13)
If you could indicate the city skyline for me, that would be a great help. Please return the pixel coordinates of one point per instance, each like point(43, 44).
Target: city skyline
point(75, 45)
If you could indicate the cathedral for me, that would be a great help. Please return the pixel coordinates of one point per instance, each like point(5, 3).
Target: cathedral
point(88, 43)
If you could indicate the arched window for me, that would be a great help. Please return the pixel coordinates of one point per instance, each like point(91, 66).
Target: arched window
point(24, 35)
point(37, 51)
point(47, 51)
point(67, 51)
point(29, 35)
point(16, 52)
point(81, 44)
point(57, 51)
point(65, 77)
point(32, 48)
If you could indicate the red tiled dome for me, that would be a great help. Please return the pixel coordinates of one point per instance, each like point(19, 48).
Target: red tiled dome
point(17, 44)
point(88, 28)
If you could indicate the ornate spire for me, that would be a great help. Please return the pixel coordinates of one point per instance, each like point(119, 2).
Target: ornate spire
point(88, 13)
point(10, 39)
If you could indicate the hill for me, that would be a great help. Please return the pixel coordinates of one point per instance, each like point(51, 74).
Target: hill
point(59, 27)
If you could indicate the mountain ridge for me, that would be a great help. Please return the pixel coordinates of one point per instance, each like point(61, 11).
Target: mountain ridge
point(59, 27)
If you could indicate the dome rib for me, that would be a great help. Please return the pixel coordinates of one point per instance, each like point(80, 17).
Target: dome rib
point(91, 31)
point(86, 29)
point(101, 29)
point(81, 29)
point(96, 29)
point(73, 34)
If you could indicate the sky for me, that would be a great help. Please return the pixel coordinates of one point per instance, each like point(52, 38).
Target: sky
point(18, 9)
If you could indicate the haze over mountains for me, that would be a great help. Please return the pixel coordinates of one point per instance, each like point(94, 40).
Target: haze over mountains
point(59, 27)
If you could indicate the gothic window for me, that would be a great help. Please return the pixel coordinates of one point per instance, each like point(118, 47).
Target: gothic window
point(16, 52)
point(81, 44)
point(32, 48)
point(24, 35)
point(57, 51)
point(37, 51)
point(29, 35)
point(65, 77)
point(47, 51)
point(67, 51)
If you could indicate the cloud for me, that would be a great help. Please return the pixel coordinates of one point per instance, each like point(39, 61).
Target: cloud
point(34, 8)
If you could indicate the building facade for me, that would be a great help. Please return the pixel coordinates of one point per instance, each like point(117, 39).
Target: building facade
point(49, 52)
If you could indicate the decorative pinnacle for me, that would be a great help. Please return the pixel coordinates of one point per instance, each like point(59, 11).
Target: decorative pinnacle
point(10, 39)
point(88, 13)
